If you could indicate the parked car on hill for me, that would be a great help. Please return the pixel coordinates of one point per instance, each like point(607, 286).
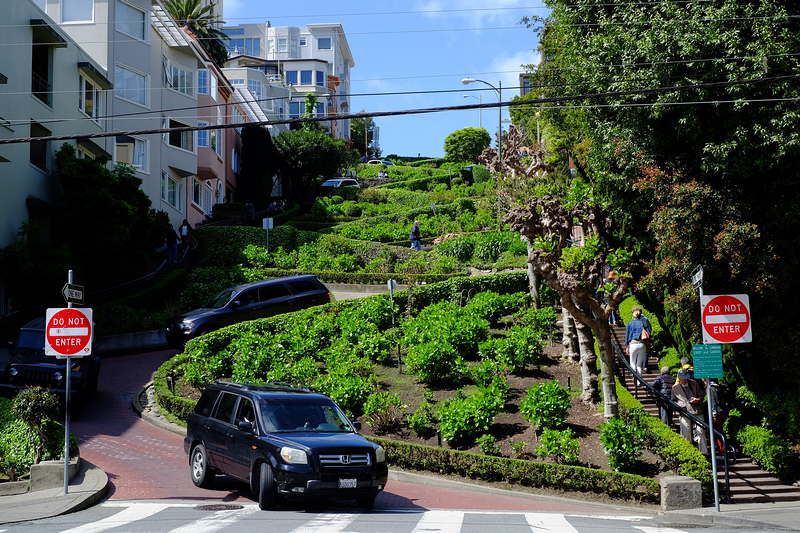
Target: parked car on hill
point(340, 182)
point(284, 442)
point(380, 162)
point(249, 301)
point(28, 366)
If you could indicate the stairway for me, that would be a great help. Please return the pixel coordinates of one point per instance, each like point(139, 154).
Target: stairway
point(748, 483)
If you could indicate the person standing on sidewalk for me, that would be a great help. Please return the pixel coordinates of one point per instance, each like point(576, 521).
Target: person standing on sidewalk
point(415, 236)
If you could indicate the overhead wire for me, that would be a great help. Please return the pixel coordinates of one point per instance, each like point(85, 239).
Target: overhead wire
point(515, 104)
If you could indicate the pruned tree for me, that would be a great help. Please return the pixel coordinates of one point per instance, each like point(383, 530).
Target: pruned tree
point(575, 272)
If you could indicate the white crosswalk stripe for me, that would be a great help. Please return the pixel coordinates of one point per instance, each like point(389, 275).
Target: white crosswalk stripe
point(552, 523)
point(327, 523)
point(646, 529)
point(126, 516)
point(440, 522)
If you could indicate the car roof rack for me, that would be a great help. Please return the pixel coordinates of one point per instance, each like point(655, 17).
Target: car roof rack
point(266, 386)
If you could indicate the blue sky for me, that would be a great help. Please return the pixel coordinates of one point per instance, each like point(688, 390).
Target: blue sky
point(417, 46)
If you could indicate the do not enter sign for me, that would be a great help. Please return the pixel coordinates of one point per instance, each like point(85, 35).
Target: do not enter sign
point(68, 332)
point(726, 318)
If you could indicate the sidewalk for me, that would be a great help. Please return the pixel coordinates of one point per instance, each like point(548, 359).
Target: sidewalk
point(86, 488)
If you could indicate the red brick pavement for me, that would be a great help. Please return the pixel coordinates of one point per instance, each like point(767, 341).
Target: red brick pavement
point(146, 462)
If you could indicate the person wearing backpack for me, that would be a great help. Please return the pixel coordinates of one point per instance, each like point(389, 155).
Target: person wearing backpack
point(637, 337)
point(663, 385)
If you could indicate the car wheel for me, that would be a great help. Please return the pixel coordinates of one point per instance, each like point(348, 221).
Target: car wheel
point(266, 488)
point(202, 476)
point(366, 503)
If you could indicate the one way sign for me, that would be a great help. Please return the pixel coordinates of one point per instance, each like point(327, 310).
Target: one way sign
point(73, 293)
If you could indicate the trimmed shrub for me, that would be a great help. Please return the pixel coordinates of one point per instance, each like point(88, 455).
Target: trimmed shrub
point(617, 485)
point(546, 405)
point(422, 421)
point(622, 442)
point(561, 446)
point(384, 411)
point(770, 451)
point(464, 418)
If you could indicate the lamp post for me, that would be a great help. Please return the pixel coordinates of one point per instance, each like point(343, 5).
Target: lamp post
point(499, 91)
point(480, 111)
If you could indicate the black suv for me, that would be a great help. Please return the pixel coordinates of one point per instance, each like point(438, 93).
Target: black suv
point(28, 366)
point(249, 301)
point(283, 441)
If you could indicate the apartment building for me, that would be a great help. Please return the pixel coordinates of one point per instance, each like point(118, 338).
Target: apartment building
point(315, 59)
point(50, 86)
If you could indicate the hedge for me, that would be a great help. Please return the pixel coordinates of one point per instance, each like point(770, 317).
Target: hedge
point(228, 242)
point(366, 278)
point(677, 453)
point(518, 472)
point(178, 406)
point(769, 451)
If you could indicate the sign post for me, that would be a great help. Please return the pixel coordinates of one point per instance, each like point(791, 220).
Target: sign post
point(68, 333)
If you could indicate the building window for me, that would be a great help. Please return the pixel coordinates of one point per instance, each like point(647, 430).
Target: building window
point(256, 87)
point(213, 88)
point(305, 77)
point(237, 117)
point(291, 77)
point(130, 21)
point(217, 147)
point(131, 151)
point(178, 139)
point(234, 31)
point(77, 10)
point(296, 109)
point(202, 81)
point(320, 110)
point(40, 150)
point(178, 78)
point(250, 46)
point(320, 79)
point(207, 198)
point(202, 136)
point(282, 45)
point(237, 81)
point(171, 191)
point(324, 43)
point(89, 99)
point(42, 58)
point(220, 195)
point(130, 85)
point(303, 41)
point(197, 193)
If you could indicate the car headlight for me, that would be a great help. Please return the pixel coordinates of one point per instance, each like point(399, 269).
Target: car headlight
point(187, 325)
point(380, 455)
point(14, 371)
point(293, 456)
point(58, 376)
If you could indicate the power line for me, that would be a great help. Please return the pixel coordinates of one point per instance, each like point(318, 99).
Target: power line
point(515, 104)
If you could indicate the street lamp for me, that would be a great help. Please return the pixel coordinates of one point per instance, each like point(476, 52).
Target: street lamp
point(499, 91)
point(480, 111)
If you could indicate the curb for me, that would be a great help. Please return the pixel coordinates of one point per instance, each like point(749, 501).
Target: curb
point(145, 413)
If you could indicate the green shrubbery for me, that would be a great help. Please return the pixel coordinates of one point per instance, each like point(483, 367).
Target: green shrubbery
point(546, 405)
point(464, 418)
point(769, 451)
point(559, 445)
point(622, 442)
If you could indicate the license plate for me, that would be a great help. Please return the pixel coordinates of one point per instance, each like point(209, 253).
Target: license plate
point(348, 483)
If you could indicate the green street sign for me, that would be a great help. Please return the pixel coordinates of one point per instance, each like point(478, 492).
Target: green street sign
point(707, 361)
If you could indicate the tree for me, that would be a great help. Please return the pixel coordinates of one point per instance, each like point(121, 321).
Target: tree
point(465, 145)
point(575, 272)
point(33, 406)
point(304, 157)
point(698, 165)
point(361, 134)
point(201, 20)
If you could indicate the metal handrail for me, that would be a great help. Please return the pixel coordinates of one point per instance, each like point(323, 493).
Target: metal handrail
point(638, 379)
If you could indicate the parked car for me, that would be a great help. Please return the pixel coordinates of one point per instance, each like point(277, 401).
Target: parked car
point(340, 182)
point(380, 162)
point(249, 301)
point(285, 442)
point(28, 366)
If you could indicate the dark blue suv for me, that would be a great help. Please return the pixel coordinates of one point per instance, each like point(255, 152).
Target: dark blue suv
point(283, 441)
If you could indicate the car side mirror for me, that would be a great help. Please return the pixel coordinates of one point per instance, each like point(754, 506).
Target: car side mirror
point(236, 304)
point(245, 426)
point(357, 425)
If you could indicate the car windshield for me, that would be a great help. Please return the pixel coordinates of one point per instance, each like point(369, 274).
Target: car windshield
point(287, 415)
point(30, 347)
point(220, 300)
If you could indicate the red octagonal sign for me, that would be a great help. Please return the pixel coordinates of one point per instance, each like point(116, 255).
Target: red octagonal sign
point(726, 318)
point(68, 332)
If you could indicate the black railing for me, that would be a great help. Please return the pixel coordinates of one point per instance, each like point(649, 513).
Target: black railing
point(625, 368)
